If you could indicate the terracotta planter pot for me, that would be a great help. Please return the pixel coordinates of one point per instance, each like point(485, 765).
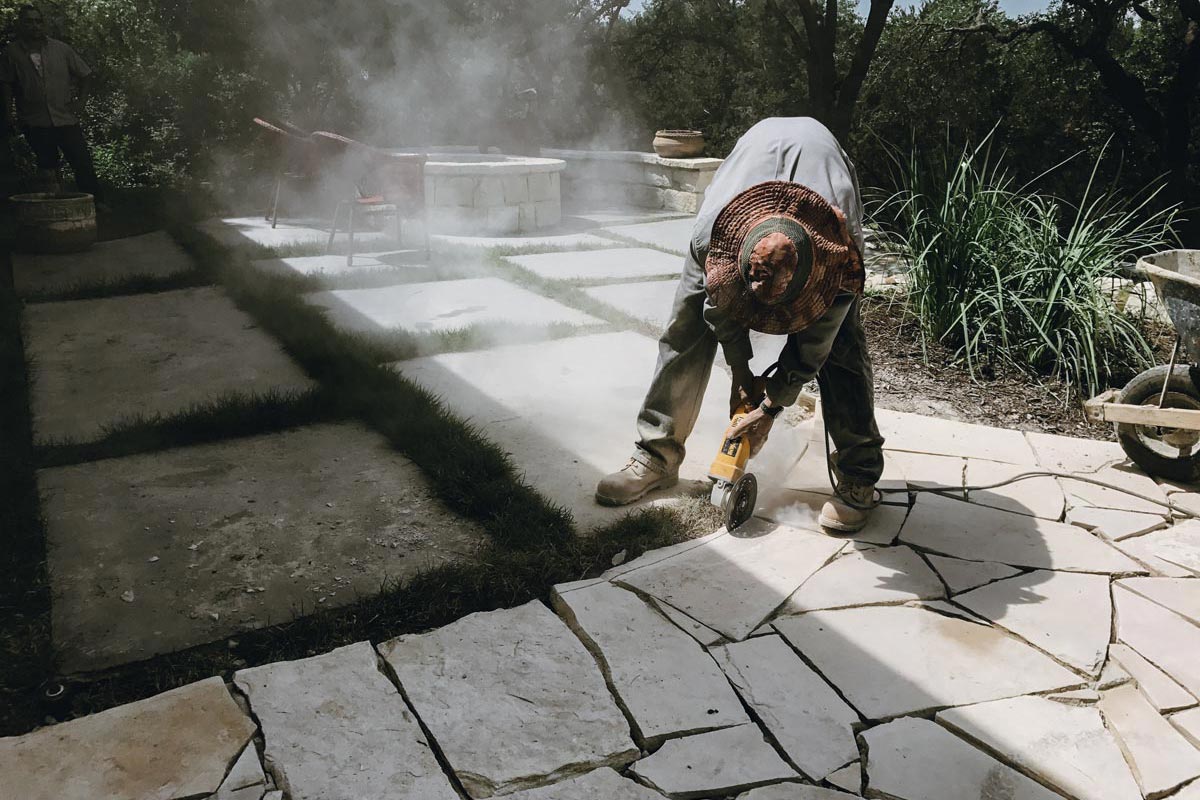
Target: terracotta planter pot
point(679, 144)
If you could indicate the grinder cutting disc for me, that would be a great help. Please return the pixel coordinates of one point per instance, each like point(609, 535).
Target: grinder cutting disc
point(739, 501)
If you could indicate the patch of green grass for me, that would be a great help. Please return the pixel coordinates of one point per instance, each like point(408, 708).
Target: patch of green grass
point(231, 416)
point(132, 284)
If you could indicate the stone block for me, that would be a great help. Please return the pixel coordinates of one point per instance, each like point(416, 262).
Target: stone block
point(1161, 758)
point(716, 763)
point(547, 214)
point(544, 187)
point(490, 191)
point(1162, 637)
point(685, 202)
point(526, 217)
point(516, 189)
point(502, 220)
point(1163, 693)
point(867, 577)
point(454, 191)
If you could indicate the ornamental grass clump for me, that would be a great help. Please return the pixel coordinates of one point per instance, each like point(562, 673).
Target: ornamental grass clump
point(1003, 274)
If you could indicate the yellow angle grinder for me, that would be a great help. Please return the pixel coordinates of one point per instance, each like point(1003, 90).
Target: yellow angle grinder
point(734, 490)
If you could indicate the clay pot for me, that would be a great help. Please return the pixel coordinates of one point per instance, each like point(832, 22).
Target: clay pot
point(679, 144)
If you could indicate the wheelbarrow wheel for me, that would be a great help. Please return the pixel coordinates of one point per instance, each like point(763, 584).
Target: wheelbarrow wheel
point(1166, 452)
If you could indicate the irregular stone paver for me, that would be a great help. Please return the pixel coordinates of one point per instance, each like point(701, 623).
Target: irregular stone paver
point(915, 759)
point(334, 726)
point(257, 232)
point(600, 784)
point(703, 634)
point(915, 433)
point(973, 532)
point(867, 577)
point(1188, 724)
point(1113, 675)
point(1065, 746)
point(1181, 595)
point(1145, 550)
point(97, 362)
point(803, 714)
point(802, 510)
point(734, 583)
point(1078, 697)
point(1065, 614)
point(543, 243)
point(567, 439)
point(219, 538)
point(1112, 524)
point(1178, 545)
point(1069, 454)
point(1038, 497)
point(663, 679)
point(948, 609)
point(405, 264)
point(793, 791)
point(1158, 687)
point(1162, 760)
point(609, 264)
point(674, 235)
point(443, 306)
point(513, 698)
point(962, 576)
point(1189, 792)
point(848, 777)
point(1162, 637)
point(714, 763)
point(175, 745)
point(153, 255)
point(893, 660)
point(246, 780)
point(1090, 494)
point(928, 471)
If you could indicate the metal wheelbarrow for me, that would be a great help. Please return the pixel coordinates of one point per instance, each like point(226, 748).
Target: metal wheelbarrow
point(1157, 414)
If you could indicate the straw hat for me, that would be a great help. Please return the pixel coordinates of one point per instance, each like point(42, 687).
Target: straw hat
point(827, 260)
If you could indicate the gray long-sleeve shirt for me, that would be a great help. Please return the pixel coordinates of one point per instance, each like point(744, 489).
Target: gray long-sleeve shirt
point(796, 149)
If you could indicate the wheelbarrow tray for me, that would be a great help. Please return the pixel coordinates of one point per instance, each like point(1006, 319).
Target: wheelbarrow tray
point(1102, 408)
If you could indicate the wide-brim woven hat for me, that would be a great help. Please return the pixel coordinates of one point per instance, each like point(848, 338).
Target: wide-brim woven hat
point(828, 259)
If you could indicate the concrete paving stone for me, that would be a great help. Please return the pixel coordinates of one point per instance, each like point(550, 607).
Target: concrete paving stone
point(1066, 747)
point(647, 301)
point(1113, 675)
point(1181, 595)
point(673, 235)
point(1038, 497)
point(715, 763)
point(609, 264)
point(664, 681)
point(599, 784)
point(803, 714)
point(1188, 724)
point(1089, 494)
point(335, 726)
point(1158, 687)
point(703, 634)
point(405, 264)
point(973, 532)
point(962, 576)
point(443, 306)
point(915, 759)
point(1162, 760)
point(1115, 525)
point(734, 583)
point(915, 433)
point(1145, 550)
point(1065, 614)
point(217, 538)
point(1071, 454)
point(894, 660)
point(256, 232)
point(599, 217)
point(849, 778)
point(245, 780)
point(97, 362)
point(923, 471)
point(153, 255)
point(176, 745)
point(802, 510)
point(566, 411)
point(870, 577)
point(1162, 637)
point(513, 699)
point(793, 791)
point(1178, 545)
point(545, 242)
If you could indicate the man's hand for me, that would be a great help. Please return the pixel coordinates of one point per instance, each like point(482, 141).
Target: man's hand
point(745, 389)
point(756, 427)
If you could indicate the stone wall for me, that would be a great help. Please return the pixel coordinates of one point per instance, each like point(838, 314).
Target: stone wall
point(513, 195)
point(640, 180)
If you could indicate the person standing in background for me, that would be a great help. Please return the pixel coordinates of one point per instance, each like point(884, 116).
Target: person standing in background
point(48, 80)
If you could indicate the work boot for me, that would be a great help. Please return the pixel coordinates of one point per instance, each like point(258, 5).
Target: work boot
point(850, 509)
point(633, 481)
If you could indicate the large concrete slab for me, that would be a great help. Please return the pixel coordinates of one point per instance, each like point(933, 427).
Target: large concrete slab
point(292, 233)
point(152, 255)
point(962, 576)
point(1081, 493)
point(868, 577)
point(711, 764)
point(443, 306)
point(173, 746)
point(614, 263)
point(513, 699)
point(615, 215)
point(401, 264)
point(1069, 454)
point(158, 552)
point(916, 433)
point(673, 236)
point(566, 411)
point(894, 660)
point(667, 684)
point(335, 726)
point(538, 243)
point(96, 362)
point(1039, 497)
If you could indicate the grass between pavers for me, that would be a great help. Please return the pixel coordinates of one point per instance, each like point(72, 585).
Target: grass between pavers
point(621, 240)
point(400, 345)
